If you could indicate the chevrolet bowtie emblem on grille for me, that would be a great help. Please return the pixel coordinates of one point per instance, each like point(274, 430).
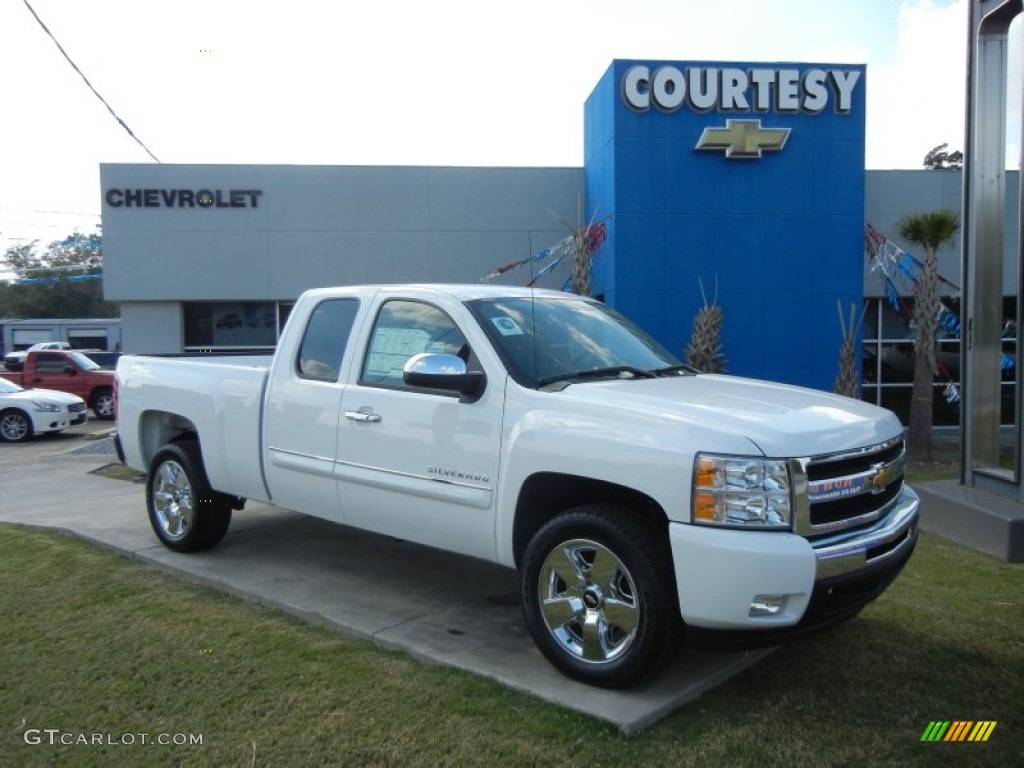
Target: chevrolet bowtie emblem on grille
point(743, 139)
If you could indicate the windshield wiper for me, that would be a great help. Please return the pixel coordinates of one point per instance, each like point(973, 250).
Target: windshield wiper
point(619, 371)
point(670, 369)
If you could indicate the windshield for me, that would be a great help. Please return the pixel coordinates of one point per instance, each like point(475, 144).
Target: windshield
point(547, 340)
point(84, 362)
point(8, 387)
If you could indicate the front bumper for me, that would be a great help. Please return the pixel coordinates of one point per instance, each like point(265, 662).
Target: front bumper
point(887, 540)
point(721, 573)
point(50, 422)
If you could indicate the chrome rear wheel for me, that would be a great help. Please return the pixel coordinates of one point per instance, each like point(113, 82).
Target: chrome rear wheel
point(187, 515)
point(172, 500)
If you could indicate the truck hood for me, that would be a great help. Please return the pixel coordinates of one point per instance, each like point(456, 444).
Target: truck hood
point(781, 420)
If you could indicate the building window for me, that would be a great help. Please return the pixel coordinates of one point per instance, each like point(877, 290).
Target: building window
point(888, 360)
point(87, 338)
point(241, 325)
point(284, 311)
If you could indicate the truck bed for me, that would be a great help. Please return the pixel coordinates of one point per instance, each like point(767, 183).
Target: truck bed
point(225, 391)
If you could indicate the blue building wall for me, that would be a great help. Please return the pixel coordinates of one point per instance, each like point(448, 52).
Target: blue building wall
point(782, 234)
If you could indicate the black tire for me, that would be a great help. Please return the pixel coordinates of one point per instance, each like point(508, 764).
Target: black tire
point(186, 514)
point(609, 628)
point(15, 426)
point(102, 403)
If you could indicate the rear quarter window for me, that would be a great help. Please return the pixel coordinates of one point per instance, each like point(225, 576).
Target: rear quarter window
point(323, 343)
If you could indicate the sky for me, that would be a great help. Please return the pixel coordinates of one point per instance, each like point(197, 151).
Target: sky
point(415, 82)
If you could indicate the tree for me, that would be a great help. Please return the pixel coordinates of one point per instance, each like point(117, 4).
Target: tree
point(847, 381)
point(61, 280)
point(938, 159)
point(930, 231)
point(586, 244)
point(704, 351)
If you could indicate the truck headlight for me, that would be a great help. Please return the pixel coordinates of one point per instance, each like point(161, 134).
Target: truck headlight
point(38, 405)
point(741, 492)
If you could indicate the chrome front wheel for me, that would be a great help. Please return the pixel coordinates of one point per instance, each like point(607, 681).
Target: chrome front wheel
point(14, 426)
point(589, 601)
point(103, 404)
point(599, 594)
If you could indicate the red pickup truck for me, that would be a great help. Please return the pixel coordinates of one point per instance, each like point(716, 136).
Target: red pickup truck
point(68, 371)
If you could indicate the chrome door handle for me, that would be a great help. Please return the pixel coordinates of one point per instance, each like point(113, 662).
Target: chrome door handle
point(363, 414)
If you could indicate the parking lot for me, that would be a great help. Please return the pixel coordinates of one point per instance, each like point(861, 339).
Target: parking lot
point(91, 434)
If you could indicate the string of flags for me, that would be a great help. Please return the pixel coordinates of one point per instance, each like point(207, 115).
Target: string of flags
point(898, 271)
point(55, 280)
point(592, 238)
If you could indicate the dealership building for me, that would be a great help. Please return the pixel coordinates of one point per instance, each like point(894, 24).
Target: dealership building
point(741, 183)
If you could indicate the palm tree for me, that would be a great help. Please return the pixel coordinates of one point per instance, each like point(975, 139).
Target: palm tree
point(930, 231)
point(586, 242)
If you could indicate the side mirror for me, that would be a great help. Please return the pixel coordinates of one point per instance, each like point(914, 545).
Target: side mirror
point(70, 369)
point(444, 372)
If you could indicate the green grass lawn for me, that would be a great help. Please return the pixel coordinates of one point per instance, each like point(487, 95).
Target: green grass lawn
point(91, 642)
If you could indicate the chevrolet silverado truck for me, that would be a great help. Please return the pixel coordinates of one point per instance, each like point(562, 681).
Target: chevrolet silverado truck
point(68, 371)
point(645, 505)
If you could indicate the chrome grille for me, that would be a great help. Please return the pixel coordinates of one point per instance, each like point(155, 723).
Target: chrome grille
point(850, 490)
point(77, 408)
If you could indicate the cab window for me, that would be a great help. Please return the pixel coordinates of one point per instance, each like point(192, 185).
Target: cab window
point(50, 362)
point(403, 329)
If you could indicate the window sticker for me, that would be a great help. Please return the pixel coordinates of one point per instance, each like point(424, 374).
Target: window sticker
point(390, 349)
point(507, 326)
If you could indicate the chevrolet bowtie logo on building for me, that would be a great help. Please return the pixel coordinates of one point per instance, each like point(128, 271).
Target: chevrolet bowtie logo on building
point(743, 139)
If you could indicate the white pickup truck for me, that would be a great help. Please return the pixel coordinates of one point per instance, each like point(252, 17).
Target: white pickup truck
point(645, 505)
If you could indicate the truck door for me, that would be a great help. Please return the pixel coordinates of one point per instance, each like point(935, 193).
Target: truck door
point(302, 412)
point(53, 370)
point(416, 464)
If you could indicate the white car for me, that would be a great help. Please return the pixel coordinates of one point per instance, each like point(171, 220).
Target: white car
point(14, 361)
point(26, 412)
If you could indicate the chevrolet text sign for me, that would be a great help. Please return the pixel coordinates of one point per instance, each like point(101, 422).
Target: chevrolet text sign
point(731, 89)
point(183, 198)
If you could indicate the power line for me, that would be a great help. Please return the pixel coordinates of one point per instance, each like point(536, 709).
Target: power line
point(39, 210)
point(13, 223)
point(75, 67)
point(58, 268)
